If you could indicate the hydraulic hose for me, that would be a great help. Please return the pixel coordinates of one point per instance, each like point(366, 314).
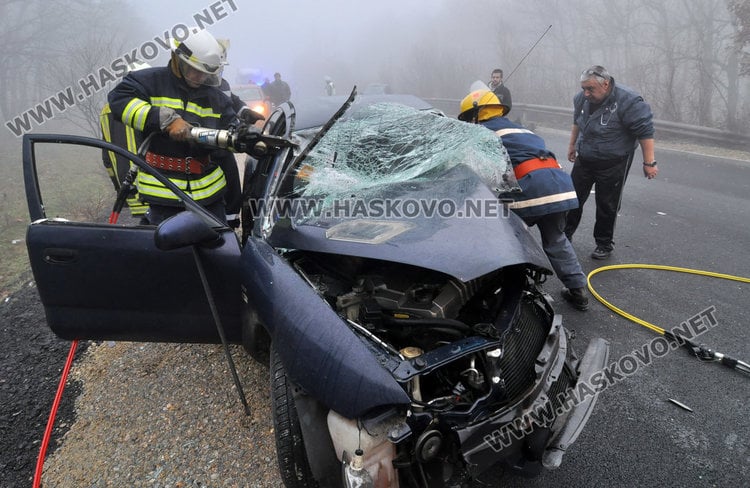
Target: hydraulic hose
point(701, 352)
point(635, 319)
point(53, 414)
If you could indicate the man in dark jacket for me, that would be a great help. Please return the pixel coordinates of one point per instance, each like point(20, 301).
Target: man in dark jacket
point(278, 90)
point(546, 190)
point(168, 102)
point(499, 89)
point(608, 121)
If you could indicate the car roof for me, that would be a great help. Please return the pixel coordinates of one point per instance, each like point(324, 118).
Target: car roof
point(314, 112)
point(255, 89)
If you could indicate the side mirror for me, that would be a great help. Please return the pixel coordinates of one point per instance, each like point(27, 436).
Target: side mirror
point(185, 229)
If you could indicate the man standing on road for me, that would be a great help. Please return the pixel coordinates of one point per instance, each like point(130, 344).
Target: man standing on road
point(499, 89)
point(547, 192)
point(278, 90)
point(608, 120)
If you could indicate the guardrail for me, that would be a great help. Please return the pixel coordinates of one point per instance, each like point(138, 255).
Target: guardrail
point(562, 118)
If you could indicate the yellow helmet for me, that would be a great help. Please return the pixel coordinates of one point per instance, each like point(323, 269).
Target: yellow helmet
point(481, 105)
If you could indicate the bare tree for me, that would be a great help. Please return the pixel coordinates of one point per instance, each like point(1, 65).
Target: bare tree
point(52, 45)
point(741, 11)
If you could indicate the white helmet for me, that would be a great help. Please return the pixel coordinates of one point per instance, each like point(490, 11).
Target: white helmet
point(202, 52)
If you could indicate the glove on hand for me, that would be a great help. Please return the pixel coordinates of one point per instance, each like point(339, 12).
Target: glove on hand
point(179, 130)
point(249, 116)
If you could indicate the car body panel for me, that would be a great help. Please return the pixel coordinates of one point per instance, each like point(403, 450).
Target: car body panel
point(110, 282)
point(498, 237)
point(318, 349)
point(103, 281)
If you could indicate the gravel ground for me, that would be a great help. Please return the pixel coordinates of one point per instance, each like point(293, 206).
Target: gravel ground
point(146, 415)
point(166, 415)
point(30, 369)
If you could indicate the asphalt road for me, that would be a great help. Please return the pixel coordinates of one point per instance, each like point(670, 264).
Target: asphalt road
point(696, 214)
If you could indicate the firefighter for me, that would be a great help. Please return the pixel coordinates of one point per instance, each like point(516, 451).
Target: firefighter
point(167, 102)
point(546, 190)
point(126, 137)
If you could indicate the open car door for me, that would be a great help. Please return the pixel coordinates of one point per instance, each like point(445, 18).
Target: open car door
point(105, 281)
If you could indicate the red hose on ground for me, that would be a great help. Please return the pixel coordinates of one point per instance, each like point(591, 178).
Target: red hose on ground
point(52, 414)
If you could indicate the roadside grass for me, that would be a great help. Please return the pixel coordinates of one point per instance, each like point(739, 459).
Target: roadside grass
point(13, 219)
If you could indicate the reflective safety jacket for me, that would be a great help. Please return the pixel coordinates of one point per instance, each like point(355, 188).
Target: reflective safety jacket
point(137, 100)
point(117, 166)
point(545, 187)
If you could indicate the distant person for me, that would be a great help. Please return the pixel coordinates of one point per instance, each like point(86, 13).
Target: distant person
point(547, 191)
point(266, 88)
point(499, 89)
point(608, 121)
point(330, 87)
point(278, 90)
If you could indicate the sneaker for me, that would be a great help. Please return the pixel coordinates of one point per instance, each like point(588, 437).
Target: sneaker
point(576, 297)
point(601, 252)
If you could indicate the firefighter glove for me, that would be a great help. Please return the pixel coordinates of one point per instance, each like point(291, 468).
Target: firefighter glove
point(249, 116)
point(179, 130)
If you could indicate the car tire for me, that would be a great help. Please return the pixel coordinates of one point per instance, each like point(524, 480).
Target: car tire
point(294, 466)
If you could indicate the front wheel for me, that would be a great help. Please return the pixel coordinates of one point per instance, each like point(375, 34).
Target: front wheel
point(290, 446)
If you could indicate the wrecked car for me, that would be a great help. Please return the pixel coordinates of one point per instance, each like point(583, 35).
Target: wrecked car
point(379, 274)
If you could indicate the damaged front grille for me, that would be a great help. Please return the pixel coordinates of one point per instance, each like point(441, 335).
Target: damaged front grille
point(523, 341)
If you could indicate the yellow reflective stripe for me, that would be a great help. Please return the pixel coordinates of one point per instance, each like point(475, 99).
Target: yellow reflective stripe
point(130, 137)
point(135, 113)
point(104, 122)
point(136, 206)
point(504, 132)
point(201, 111)
point(174, 103)
point(558, 197)
point(107, 134)
point(200, 189)
point(208, 186)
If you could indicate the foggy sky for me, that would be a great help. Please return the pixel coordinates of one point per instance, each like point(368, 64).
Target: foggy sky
point(677, 53)
point(302, 40)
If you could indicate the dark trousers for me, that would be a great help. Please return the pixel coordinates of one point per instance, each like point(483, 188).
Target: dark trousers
point(608, 179)
point(558, 249)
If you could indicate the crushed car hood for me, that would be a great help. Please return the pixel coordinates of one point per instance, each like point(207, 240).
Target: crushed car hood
point(446, 240)
point(401, 184)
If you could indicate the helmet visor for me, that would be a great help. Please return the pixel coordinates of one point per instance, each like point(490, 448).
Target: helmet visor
point(196, 72)
point(196, 77)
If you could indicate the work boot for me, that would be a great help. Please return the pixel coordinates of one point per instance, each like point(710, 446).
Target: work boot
point(576, 297)
point(601, 252)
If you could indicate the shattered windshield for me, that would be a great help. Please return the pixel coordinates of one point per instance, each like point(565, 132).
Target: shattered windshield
point(388, 143)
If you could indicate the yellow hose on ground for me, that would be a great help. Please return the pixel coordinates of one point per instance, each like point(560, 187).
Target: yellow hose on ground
point(635, 319)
